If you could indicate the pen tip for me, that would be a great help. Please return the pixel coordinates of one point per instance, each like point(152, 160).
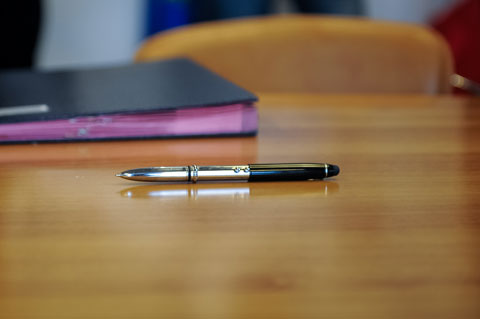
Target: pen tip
point(119, 175)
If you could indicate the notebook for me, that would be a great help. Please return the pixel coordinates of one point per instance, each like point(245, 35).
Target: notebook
point(164, 99)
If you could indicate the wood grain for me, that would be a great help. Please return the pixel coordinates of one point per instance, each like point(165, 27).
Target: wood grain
point(395, 235)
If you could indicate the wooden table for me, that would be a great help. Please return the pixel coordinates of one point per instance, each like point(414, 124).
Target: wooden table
point(395, 235)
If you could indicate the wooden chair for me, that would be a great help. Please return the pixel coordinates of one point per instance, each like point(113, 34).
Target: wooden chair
point(305, 53)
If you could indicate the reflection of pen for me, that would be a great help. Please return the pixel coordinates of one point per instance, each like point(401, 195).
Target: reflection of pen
point(229, 190)
point(191, 192)
point(250, 172)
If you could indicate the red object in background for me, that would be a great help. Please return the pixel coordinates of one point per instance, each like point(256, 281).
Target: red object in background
point(461, 28)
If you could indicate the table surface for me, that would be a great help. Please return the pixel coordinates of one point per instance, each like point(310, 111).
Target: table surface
point(395, 235)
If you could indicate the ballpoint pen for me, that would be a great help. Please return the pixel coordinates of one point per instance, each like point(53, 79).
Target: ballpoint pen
point(250, 172)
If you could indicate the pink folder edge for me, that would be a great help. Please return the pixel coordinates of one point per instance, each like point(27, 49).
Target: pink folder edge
point(241, 118)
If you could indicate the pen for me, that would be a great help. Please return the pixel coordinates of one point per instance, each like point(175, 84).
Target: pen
point(250, 172)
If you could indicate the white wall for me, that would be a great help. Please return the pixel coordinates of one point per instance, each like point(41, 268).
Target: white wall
point(416, 11)
point(79, 33)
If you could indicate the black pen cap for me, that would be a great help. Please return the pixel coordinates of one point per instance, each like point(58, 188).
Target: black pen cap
point(292, 171)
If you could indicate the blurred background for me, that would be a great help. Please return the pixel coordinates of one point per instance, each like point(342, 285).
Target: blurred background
point(52, 34)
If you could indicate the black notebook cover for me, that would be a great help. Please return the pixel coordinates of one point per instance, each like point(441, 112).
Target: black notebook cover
point(176, 84)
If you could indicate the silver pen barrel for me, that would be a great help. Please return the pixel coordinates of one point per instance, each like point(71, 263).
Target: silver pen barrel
point(219, 173)
point(191, 173)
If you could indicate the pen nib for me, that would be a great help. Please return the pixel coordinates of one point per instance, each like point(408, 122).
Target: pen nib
point(119, 175)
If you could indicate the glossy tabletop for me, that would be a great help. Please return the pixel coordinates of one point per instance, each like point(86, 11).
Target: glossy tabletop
point(395, 235)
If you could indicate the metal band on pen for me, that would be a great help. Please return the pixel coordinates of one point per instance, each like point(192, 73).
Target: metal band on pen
point(193, 173)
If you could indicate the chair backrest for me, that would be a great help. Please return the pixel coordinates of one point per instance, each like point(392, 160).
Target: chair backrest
point(311, 53)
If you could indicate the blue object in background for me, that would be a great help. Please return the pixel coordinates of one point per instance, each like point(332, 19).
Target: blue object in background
point(343, 7)
point(234, 8)
point(166, 14)
point(207, 10)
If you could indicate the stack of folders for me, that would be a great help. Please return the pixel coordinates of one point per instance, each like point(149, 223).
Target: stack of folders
point(170, 98)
